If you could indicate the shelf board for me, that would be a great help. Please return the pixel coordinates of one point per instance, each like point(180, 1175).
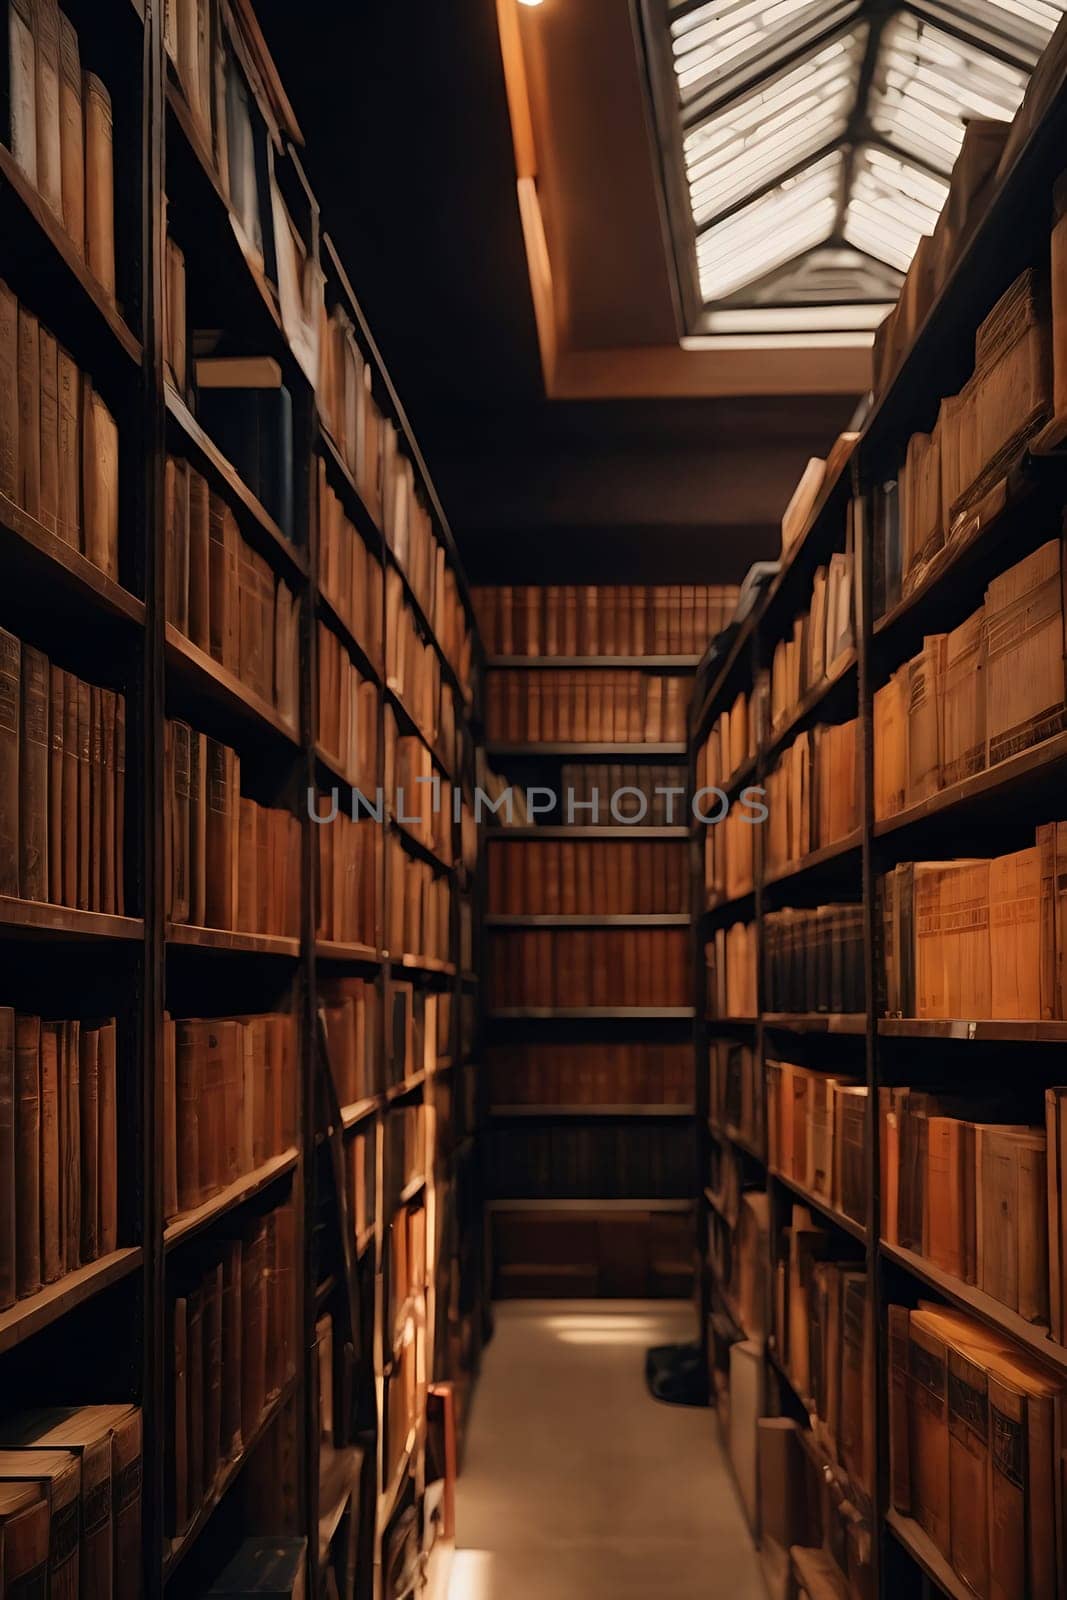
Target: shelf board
point(410, 726)
point(54, 1300)
point(332, 618)
point(579, 747)
point(431, 965)
point(732, 1136)
point(728, 904)
point(228, 1472)
point(41, 919)
point(1041, 761)
point(925, 1553)
point(715, 1023)
point(844, 668)
point(260, 944)
point(411, 1191)
point(400, 1091)
point(33, 555)
point(852, 843)
point(232, 485)
point(1035, 1339)
point(683, 663)
point(415, 602)
point(44, 241)
point(823, 1207)
point(201, 672)
point(977, 1031)
point(662, 1207)
point(358, 511)
point(636, 1111)
point(657, 919)
point(190, 1223)
point(578, 833)
point(338, 779)
point(347, 951)
point(426, 851)
point(360, 1111)
point(853, 1022)
point(624, 1013)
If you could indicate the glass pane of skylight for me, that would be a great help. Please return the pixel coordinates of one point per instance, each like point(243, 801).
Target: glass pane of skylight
point(794, 217)
point(927, 81)
point(726, 39)
point(757, 138)
point(891, 206)
point(1022, 27)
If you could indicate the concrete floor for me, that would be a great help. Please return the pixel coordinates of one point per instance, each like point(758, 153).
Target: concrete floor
point(576, 1484)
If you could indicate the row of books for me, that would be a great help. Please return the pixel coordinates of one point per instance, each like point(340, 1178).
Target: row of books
point(419, 798)
point(813, 794)
point(732, 740)
point(418, 921)
point(977, 938)
point(413, 669)
point(813, 960)
point(59, 443)
point(247, 411)
point(591, 1162)
point(347, 880)
point(735, 1090)
point(233, 1338)
point(348, 408)
point(730, 854)
point(59, 1181)
point(730, 959)
point(62, 784)
point(591, 786)
point(70, 1500)
point(965, 1185)
point(988, 690)
point(350, 575)
point(821, 642)
point(229, 862)
point(362, 1181)
point(725, 1179)
point(816, 478)
point(609, 707)
point(224, 596)
point(351, 1017)
point(596, 1073)
point(601, 877)
point(602, 620)
point(816, 1125)
point(636, 1253)
point(974, 1426)
point(61, 131)
point(347, 707)
point(602, 967)
point(229, 1102)
point(405, 1161)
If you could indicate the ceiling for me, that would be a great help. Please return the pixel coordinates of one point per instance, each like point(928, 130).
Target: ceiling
point(626, 468)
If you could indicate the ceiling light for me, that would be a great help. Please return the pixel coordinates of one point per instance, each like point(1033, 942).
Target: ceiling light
point(529, 2)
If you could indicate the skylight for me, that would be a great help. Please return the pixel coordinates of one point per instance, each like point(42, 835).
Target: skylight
point(809, 144)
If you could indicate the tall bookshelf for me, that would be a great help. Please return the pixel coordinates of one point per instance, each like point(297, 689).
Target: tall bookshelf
point(103, 1332)
point(985, 814)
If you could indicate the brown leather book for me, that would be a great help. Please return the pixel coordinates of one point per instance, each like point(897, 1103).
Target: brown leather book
point(8, 1148)
point(23, 1538)
point(99, 183)
point(107, 1138)
point(27, 1155)
point(49, 157)
point(108, 901)
point(253, 1327)
point(33, 776)
point(169, 1116)
point(70, 1143)
point(223, 539)
point(189, 1054)
point(89, 1088)
point(10, 719)
point(51, 1211)
point(176, 542)
point(96, 793)
point(22, 92)
point(198, 787)
point(221, 839)
point(194, 1389)
point(70, 391)
point(56, 825)
point(29, 392)
point(71, 134)
point(120, 804)
point(212, 1335)
point(49, 415)
point(177, 1456)
point(84, 812)
point(79, 1431)
point(57, 1473)
point(100, 482)
point(9, 395)
point(201, 513)
point(211, 1107)
point(231, 1436)
point(928, 1431)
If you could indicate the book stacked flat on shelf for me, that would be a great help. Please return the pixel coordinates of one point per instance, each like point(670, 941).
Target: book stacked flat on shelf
point(816, 1135)
point(229, 1102)
point(606, 967)
point(813, 960)
point(602, 620)
point(230, 863)
point(223, 596)
point(62, 784)
point(59, 443)
point(61, 131)
point(59, 1164)
point(601, 877)
point(623, 707)
point(591, 1074)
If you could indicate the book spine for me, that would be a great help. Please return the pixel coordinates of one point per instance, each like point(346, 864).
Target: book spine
point(27, 1155)
point(10, 719)
point(72, 134)
point(33, 777)
point(99, 183)
point(89, 1088)
point(8, 1150)
point(22, 92)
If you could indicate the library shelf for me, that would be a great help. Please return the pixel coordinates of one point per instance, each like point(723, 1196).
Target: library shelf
point(733, 1136)
point(787, 1378)
point(730, 905)
point(66, 294)
point(850, 844)
point(226, 478)
point(577, 832)
point(331, 766)
point(511, 1113)
point(854, 1022)
point(980, 1031)
point(715, 1023)
point(577, 1013)
point(189, 1223)
point(257, 944)
point(1034, 1338)
point(42, 563)
point(52, 1301)
point(332, 618)
point(42, 919)
point(664, 662)
point(344, 483)
point(411, 841)
point(636, 919)
point(412, 727)
point(414, 1190)
point(925, 1554)
point(844, 672)
point(821, 1205)
point(342, 950)
point(585, 747)
point(182, 1543)
point(208, 678)
point(659, 1206)
point(985, 790)
point(360, 1111)
point(401, 1091)
point(434, 966)
point(426, 626)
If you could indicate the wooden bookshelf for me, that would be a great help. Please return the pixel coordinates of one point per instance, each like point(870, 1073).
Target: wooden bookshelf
point(27, 1317)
